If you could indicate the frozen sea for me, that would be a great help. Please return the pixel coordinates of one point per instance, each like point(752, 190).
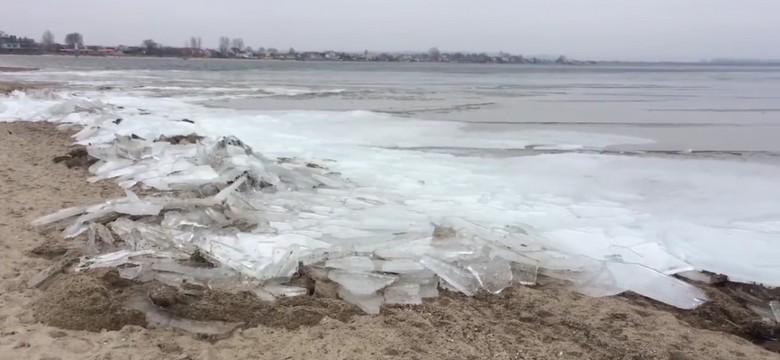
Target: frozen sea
point(606, 161)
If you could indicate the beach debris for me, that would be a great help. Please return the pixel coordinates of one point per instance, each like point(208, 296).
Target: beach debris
point(257, 223)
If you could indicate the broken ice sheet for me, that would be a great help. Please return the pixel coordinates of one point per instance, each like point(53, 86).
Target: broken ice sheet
point(370, 303)
point(360, 283)
point(524, 269)
point(460, 279)
point(655, 285)
point(596, 282)
point(494, 276)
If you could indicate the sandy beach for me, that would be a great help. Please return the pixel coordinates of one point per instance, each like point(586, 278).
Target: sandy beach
point(546, 321)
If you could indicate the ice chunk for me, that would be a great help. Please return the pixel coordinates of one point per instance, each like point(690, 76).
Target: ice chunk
point(286, 291)
point(351, 263)
point(429, 289)
point(459, 278)
point(130, 271)
point(525, 273)
point(494, 276)
point(91, 246)
point(403, 294)
point(775, 306)
point(360, 283)
point(400, 266)
point(524, 268)
point(370, 303)
point(137, 208)
point(103, 233)
point(596, 282)
point(656, 285)
point(199, 273)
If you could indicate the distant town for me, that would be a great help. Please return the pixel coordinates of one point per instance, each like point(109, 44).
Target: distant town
point(74, 45)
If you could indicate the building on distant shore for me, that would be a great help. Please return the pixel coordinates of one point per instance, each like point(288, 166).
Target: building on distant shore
point(17, 45)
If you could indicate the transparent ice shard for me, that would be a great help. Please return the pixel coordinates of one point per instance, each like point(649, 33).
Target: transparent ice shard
point(351, 263)
point(131, 271)
point(406, 294)
point(525, 273)
point(524, 268)
point(370, 303)
point(285, 290)
point(111, 259)
point(597, 282)
point(91, 246)
point(494, 276)
point(360, 283)
point(59, 215)
point(460, 279)
point(655, 285)
point(429, 289)
point(104, 234)
point(775, 306)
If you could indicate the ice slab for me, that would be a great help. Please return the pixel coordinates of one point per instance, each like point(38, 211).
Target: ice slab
point(461, 279)
point(494, 276)
point(370, 303)
point(404, 294)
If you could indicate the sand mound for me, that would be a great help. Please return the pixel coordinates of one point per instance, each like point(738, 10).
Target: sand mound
point(83, 303)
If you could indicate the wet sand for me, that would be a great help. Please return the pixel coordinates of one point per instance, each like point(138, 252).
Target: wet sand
point(541, 322)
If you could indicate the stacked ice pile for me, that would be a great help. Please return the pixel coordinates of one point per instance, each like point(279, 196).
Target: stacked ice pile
point(261, 220)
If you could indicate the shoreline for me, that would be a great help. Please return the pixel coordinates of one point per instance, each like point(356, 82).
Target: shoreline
point(544, 321)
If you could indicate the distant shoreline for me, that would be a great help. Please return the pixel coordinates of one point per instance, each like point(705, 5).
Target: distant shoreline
point(762, 63)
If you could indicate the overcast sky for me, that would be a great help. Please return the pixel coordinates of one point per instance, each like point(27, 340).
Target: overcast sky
point(583, 29)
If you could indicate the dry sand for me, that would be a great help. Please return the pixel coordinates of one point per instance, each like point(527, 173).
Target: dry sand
point(542, 322)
